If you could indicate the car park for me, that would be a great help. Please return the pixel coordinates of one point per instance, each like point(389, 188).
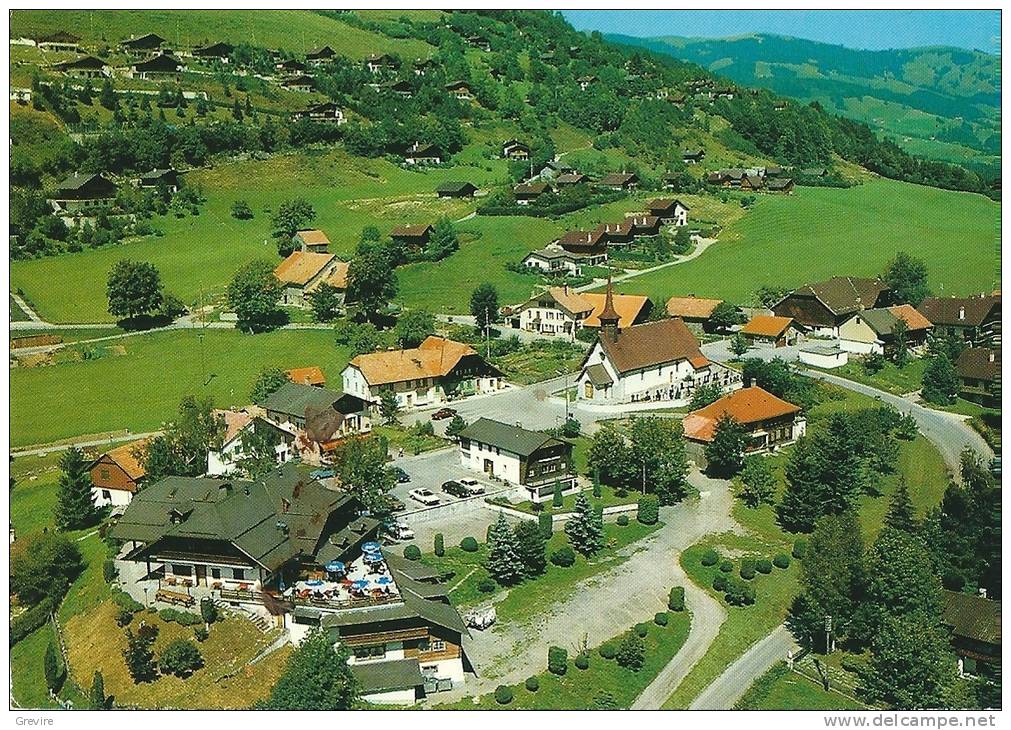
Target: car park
point(426, 496)
point(455, 488)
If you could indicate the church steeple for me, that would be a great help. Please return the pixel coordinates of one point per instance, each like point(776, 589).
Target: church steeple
point(609, 316)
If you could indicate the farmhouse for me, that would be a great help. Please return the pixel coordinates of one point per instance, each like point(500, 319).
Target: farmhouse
point(693, 156)
point(301, 83)
point(669, 211)
point(515, 150)
point(422, 66)
point(459, 90)
point(554, 259)
point(770, 330)
point(975, 623)
point(456, 189)
point(83, 193)
point(620, 181)
point(978, 371)
point(290, 66)
point(142, 44)
point(824, 305)
point(301, 273)
point(325, 112)
point(85, 67)
point(525, 193)
point(401, 88)
point(518, 456)
point(321, 419)
point(770, 422)
point(319, 56)
point(311, 240)
point(695, 311)
point(412, 236)
point(436, 371)
point(779, 185)
point(167, 178)
point(618, 234)
point(571, 178)
point(553, 169)
point(752, 182)
point(422, 154)
point(311, 375)
point(118, 474)
point(587, 243)
point(162, 66)
point(61, 40)
point(220, 52)
point(874, 330)
point(378, 63)
point(977, 320)
point(644, 225)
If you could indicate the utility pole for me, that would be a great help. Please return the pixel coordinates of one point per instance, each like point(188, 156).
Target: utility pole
point(828, 634)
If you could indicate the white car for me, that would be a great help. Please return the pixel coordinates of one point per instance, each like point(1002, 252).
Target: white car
point(425, 496)
point(400, 531)
point(472, 486)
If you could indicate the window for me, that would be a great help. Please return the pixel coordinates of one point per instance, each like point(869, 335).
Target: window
point(106, 494)
point(238, 573)
point(370, 652)
point(215, 572)
point(438, 645)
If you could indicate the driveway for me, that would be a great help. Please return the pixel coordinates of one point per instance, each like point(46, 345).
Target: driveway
point(720, 351)
point(729, 687)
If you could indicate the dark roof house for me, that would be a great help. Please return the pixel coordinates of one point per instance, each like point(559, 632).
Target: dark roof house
point(828, 303)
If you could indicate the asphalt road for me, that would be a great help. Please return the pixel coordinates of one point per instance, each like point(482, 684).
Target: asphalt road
point(736, 679)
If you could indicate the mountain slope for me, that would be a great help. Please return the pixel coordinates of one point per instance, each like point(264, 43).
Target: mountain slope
point(939, 102)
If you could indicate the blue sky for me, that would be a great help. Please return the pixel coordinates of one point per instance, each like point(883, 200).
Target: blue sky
point(870, 29)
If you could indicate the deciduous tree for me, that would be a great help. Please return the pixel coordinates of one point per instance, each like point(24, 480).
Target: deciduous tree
point(134, 289)
point(253, 294)
point(316, 677)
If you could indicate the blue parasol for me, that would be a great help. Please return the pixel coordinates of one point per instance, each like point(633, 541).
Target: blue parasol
point(334, 566)
point(384, 580)
point(360, 584)
point(373, 557)
point(371, 547)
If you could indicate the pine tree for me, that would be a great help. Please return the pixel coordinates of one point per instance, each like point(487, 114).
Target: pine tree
point(530, 546)
point(140, 657)
point(51, 669)
point(96, 697)
point(504, 561)
point(900, 510)
point(75, 506)
point(940, 381)
point(725, 453)
point(585, 529)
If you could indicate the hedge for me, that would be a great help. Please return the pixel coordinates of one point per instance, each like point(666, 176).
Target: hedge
point(800, 548)
point(558, 660)
point(126, 602)
point(486, 585)
point(503, 694)
point(608, 650)
point(649, 509)
point(676, 600)
point(710, 557)
point(30, 621)
point(747, 568)
point(183, 618)
point(661, 619)
point(109, 572)
point(582, 662)
point(641, 630)
point(440, 545)
point(547, 524)
point(468, 545)
point(763, 566)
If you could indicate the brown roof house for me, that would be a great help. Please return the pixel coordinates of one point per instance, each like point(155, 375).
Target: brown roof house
point(770, 421)
point(670, 211)
point(160, 67)
point(311, 375)
point(620, 181)
point(978, 371)
point(85, 67)
point(560, 310)
point(83, 194)
point(312, 241)
point(695, 311)
point(302, 273)
point(765, 329)
point(526, 193)
point(589, 243)
point(117, 474)
point(877, 330)
point(651, 362)
point(412, 237)
point(975, 633)
point(975, 319)
point(436, 371)
point(824, 305)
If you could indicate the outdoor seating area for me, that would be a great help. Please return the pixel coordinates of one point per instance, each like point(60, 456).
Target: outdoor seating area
point(366, 580)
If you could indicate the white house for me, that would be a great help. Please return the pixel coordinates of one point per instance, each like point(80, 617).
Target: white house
point(823, 356)
point(118, 474)
point(873, 330)
point(554, 259)
point(225, 461)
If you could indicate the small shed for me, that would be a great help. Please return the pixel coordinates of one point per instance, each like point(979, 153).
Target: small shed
point(823, 356)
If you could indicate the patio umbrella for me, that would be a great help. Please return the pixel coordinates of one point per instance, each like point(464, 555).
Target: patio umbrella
point(334, 566)
point(371, 547)
point(384, 580)
point(373, 557)
point(360, 584)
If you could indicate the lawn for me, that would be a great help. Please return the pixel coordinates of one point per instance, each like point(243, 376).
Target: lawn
point(140, 388)
point(782, 689)
point(540, 360)
point(821, 232)
point(399, 437)
point(607, 497)
point(582, 689)
point(34, 494)
point(891, 378)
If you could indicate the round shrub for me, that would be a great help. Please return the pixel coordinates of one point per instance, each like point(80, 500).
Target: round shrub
point(468, 545)
point(563, 557)
point(763, 566)
point(558, 660)
point(800, 548)
point(622, 520)
point(710, 557)
point(440, 545)
point(124, 617)
point(720, 582)
point(582, 662)
point(200, 633)
point(181, 658)
point(486, 585)
point(649, 509)
point(608, 650)
point(781, 561)
point(412, 552)
point(726, 566)
point(748, 570)
point(676, 599)
point(503, 694)
point(532, 684)
point(641, 630)
point(661, 619)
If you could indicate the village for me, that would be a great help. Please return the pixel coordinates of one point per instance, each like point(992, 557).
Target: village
point(473, 462)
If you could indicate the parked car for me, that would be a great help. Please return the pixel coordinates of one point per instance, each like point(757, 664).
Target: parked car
point(426, 496)
point(401, 475)
point(395, 504)
point(472, 486)
point(455, 488)
point(480, 618)
point(398, 531)
point(443, 413)
point(322, 474)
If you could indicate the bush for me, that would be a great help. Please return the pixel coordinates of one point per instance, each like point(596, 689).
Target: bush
point(109, 572)
point(661, 619)
point(468, 545)
point(710, 557)
point(563, 557)
point(546, 524)
point(125, 601)
point(676, 599)
point(632, 653)
point(412, 552)
point(181, 658)
point(440, 545)
point(582, 662)
point(558, 660)
point(763, 566)
point(208, 610)
point(800, 548)
point(532, 684)
point(30, 621)
point(854, 666)
point(781, 561)
point(747, 568)
point(720, 582)
point(649, 509)
point(124, 617)
point(641, 630)
point(622, 520)
point(183, 618)
point(200, 634)
point(503, 694)
point(739, 593)
point(486, 585)
point(726, 566)
point(608, 650)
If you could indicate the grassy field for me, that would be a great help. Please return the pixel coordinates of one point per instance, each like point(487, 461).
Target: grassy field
point(782, 689)
point(34, 494)
point(296, 31)
point(141, 387)
point(890, 378)
point(821, 232)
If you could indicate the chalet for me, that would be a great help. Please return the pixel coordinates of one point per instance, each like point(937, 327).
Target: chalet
point(587, 243)
point(725, 94)
point(301, 273)
point(460, 90)
point(773, 171)
point(515, 150)
point(143, 44)
point(83, 193)
point(874, 330)
point(978, 371)
point(753, 183)
point(311, 375)
point(434, 372)
point(695, 311)
point(306, 407)
point(319, 56)
point(616, 234)
point(770, 331)
point(61, 40)
point(824, 305)
point(380, 63)
point(693, 156)
point(422, 154)
point(325, 112)
point(779, 184)
point(770, 422)
point(620, 181)
point(553, 259)
point(118, 474)
point(562, 311)
point(976, 320)
point(456, 189)
point(290, 66)
point(586, 82)
point(779, 106)
point(814, 172)
point(571, 178)
point(227, 458)
point(655, 361)
point(311, 240)
point(975, 623)
point(422, 66)
point(731, 177)
point(300, 83)
point(167, 178)
point(20, 95)
point(401, 88)
point(644, 225)
point(412, 237)
point(553, 169)
point(525, 193)
point(480, 43)
point(669, 211)
point(162, 66)
point(220, 52)
point(85, 67)
point(515, 455)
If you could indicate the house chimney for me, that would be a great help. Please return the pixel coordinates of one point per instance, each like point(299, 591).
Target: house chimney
point(961, 313)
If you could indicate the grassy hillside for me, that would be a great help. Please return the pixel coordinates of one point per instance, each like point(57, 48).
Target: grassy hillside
point(296, 31)
point(822, 232)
